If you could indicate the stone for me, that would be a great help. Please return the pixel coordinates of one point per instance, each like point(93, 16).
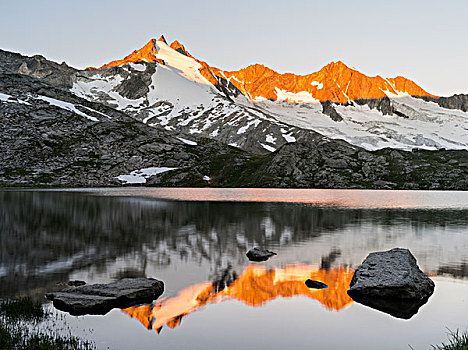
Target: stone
point(391, 282)
point(99, 299)
point(315, 284)
point(76, 283)
point(328, 109)
point(258, 254)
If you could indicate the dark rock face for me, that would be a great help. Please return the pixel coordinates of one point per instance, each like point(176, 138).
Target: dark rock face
point(328, 109)
point(258, 254)
point(98, 299)
point(453, 102)
point(315, 284)
point(76, 283)
point(383, 105)
point(392, 282)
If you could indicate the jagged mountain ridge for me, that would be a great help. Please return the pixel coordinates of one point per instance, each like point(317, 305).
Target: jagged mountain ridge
point(336, 82)
point(52, 137)
point(259, 110)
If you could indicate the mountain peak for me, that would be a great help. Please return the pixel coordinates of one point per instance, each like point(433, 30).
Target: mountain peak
point(175, 45)
point(336, 81)
point(163, 39)
point(147, 53)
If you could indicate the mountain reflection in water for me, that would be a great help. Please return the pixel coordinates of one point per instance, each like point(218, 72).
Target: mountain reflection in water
point(254, 287)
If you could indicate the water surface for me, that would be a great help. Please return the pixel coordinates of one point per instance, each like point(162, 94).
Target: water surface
point(195, 241)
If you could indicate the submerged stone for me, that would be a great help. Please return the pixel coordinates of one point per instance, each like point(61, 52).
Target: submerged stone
point(98, 299)
point(391, 282)
point(315, 284)
point(258, 254)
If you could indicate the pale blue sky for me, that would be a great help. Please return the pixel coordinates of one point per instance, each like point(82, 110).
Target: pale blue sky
point(426, 41)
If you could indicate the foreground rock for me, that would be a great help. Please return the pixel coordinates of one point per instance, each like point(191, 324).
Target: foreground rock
point(391, 282)
point(315, 284)
point(258, 254)
point(98, 299)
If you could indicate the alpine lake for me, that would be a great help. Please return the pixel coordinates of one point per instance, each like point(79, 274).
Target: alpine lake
point(195, 241)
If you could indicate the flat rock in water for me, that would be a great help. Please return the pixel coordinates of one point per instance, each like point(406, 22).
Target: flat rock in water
point(98, 299)
point(391, 282)
point(315, 284)
point(258, 254)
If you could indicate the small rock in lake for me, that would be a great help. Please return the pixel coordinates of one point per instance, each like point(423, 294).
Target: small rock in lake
point(257, 254)
point(315, 284)
point(98, 299)
point(76, 283)
point(391, 282)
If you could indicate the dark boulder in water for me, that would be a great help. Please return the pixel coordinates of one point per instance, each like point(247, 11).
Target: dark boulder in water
point(76, 283)
point(257, 254)
point(315, 284)
point(391, 282)
point(98, 299)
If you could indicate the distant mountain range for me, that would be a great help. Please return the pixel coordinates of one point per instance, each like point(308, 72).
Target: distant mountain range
point(270, 129)
point(337, 101)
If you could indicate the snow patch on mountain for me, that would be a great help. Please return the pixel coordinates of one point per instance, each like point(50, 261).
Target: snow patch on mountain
point(99, 87)
point(268, 147)
point(169, 85)
point(138, 66)
point(5, 97)
point(298, 97)
point(317, 84)
point(185, 66)
point(11, 99)
point(140, 176)
point(68, 106)
point(188, 142)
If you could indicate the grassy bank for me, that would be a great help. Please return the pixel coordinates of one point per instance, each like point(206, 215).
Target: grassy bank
point(25, 325)
point(457, 341)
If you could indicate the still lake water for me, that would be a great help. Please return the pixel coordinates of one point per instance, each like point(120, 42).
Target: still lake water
point(195, 241)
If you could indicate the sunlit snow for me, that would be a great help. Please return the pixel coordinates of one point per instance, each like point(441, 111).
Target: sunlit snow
point(299, 97)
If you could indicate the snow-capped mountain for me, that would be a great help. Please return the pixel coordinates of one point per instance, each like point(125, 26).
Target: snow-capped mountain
point(161, 122)
point(259, 110)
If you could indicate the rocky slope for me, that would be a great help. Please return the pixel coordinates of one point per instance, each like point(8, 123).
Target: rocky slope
point(53, 138)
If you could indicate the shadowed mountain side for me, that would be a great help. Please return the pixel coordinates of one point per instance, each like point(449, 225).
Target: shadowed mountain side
point(459, 101)
point(318, 162)
point(254, 287)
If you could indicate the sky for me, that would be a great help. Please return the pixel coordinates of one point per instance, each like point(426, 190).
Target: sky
point(426, 41)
